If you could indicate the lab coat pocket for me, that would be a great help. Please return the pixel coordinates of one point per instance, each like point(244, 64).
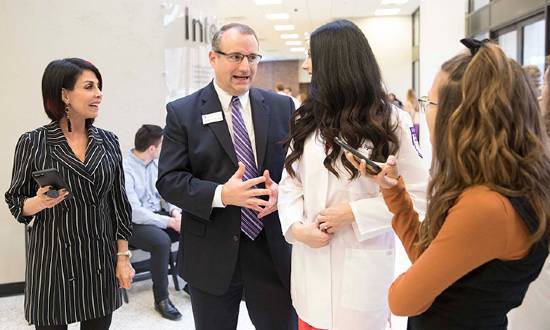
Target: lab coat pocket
point(367, 275)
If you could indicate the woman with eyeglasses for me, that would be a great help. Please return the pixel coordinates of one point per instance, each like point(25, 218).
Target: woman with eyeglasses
point(343, 247)
point(485, 236)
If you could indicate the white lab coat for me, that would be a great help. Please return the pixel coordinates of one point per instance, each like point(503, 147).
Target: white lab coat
point(343, 286)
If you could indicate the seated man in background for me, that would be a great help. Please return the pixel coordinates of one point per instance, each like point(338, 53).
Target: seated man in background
point(156, 223)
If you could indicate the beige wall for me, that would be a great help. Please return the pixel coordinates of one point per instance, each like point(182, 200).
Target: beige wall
point(124, 38)
point(392, 48)
point(439, 36)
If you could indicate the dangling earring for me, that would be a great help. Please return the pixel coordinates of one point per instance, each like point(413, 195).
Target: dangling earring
point(67, 108)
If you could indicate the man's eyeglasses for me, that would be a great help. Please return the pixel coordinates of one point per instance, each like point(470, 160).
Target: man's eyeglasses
point(238, 57)
point(424, 103)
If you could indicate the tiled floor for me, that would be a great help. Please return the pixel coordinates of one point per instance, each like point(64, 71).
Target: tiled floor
point(138, 314)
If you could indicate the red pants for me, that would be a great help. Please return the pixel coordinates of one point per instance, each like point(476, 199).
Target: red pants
point(304, 326)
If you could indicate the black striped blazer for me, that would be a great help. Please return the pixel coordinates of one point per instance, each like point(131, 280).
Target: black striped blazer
point(70, 273)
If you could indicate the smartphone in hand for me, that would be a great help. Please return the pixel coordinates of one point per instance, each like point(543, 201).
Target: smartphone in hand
point(51, 177)
point(372, 167)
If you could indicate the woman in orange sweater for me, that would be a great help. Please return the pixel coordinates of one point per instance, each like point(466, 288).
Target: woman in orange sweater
point(485, 236)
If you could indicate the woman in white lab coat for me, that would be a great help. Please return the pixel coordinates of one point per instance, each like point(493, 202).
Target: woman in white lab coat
point(343, 245)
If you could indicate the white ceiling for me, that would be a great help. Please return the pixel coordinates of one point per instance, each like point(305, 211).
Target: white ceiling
point(305, 15)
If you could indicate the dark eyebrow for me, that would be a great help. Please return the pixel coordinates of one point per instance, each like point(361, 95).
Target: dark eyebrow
point(239, 53)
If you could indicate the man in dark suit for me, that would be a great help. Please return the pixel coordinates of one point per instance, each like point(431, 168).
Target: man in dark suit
point(221, 158)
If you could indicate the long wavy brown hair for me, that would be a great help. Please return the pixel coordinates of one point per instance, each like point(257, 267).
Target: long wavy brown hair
point(347, 98)
point(488, 131)
point(545, 104)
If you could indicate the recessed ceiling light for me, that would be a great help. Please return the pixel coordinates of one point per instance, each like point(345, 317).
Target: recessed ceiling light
point(268, 2)
point(277, 16)
point(288, 27)
point(289, 36)
point(394, 2)
point(297, 49)
point(294, 43)
point(386, 11)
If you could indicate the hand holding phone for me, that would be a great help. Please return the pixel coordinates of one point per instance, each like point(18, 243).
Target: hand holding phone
point(387, 178)
point(372, 168)
point(51, 177)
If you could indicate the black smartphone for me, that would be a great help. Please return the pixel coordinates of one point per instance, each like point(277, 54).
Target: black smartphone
point(51, 177)
point(372, 167)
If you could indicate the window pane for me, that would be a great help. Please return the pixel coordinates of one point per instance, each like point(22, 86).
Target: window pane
point(533, 51)
point(481, 36)
point(479, 3)
point(509, 44)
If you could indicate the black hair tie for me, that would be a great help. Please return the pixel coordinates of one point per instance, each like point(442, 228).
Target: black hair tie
point(473, 44)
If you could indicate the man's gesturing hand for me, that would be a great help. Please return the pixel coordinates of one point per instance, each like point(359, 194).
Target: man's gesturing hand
point(244, 193)
point(273, 188)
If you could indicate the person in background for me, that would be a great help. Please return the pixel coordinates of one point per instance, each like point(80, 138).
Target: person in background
point(533, 314)
point(156, 224)
point(392, 99)
point(221, 154)
point(533, 73)
point(78, 253)
point(412, 107)
point(280, 89)
point(343, 247)
point(288, 92)
point(485, 236)
point(301, 98)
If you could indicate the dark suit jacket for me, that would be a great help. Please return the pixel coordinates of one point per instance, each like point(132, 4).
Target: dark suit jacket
point(195, 159)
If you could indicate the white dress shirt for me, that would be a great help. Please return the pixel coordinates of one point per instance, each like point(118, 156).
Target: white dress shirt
point(246, 111)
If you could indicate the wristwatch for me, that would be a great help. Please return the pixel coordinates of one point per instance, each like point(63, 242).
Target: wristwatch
point(126, 253)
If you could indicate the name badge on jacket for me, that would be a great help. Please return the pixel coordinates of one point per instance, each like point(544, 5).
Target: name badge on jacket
point(212, 118)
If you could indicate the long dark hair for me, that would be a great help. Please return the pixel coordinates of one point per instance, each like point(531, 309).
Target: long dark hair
point(346, 98)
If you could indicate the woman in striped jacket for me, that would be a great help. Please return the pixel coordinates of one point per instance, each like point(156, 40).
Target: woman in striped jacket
point(78, 241)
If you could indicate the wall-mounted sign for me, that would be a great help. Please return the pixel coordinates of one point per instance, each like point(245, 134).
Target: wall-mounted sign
point(188, 32)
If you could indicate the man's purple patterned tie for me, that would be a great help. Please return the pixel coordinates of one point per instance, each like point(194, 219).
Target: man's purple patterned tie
point(250, 224)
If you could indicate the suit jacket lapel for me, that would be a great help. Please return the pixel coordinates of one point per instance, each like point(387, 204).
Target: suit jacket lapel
point(95, 151)
point(211, 104)
point(260, 118)
point(61, 151)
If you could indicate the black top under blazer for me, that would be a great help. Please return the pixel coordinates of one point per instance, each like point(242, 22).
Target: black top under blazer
point(481, 299)
point(70, 274)
point(195, 159)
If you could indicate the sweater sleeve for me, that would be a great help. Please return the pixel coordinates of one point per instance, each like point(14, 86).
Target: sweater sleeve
point(405, 220)
point(480, 227)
